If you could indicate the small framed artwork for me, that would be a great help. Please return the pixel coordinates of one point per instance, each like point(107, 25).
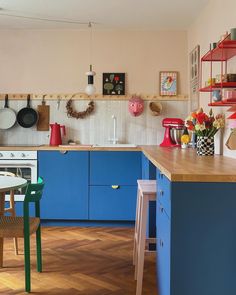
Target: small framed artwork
point(168, 83)
point(113, 84)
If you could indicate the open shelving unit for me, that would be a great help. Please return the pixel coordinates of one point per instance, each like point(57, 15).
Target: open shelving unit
point(224, 51)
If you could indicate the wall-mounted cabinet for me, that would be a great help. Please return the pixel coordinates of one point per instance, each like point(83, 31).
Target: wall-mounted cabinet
point(224, 51)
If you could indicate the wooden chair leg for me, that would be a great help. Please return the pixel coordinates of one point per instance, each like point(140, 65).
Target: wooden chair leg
point(39, 249)
point(13, 213)
point(27, 262)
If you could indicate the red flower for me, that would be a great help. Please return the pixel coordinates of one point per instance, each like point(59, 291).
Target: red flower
point(201, 118)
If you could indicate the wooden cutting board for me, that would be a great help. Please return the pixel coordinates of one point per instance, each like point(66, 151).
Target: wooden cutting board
point(44, 117)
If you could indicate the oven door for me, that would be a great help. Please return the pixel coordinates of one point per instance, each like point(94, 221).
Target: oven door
point(26, 169)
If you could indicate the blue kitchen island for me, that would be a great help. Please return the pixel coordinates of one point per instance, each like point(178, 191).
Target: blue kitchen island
point(195, 222)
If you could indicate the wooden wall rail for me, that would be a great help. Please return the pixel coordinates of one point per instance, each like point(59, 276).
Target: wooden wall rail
point(83, 96)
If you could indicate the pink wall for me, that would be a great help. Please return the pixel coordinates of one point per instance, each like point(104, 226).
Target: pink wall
point(217, 18)
point(56, 61)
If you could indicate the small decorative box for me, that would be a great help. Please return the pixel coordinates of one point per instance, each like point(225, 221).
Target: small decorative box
point(230, 94)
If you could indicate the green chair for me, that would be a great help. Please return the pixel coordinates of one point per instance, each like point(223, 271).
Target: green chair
point(23, 227)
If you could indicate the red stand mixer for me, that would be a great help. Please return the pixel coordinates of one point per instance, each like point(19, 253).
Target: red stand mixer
point(56, 137)
point(171, 123)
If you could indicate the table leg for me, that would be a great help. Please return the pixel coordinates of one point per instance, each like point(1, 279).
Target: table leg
point(2, 205)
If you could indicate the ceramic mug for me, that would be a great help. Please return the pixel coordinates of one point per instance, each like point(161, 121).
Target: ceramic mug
point(216, 95)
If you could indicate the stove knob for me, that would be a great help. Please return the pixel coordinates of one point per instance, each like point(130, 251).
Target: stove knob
point(23, 155)
point(12, 155)
point(1, 155)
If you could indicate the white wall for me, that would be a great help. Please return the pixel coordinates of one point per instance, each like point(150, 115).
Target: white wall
point(42, 61)
point(217, 18)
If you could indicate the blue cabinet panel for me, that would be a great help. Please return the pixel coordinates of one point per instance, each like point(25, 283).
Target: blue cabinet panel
point(122, 168)
point(149, 172)
point(19, 208)
point(164, 191)
point(107, 203)
point(66, 184)
point(148, 169)
point(163, 251)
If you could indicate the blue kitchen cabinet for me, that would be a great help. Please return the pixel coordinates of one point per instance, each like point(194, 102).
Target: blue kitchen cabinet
point(115, 167)
point(113, 184)
point(107, 203)
point(196, 238)
point(66, 177)
point(149, 172)
point(148, 169)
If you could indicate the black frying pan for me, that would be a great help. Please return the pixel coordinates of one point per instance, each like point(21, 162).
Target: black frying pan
point(27, 117)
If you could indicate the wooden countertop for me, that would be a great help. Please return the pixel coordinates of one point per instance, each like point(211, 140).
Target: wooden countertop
point(184, 165)
point(177, 164)
point(67, 148)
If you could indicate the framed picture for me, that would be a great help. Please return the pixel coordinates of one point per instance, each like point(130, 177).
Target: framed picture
point(168, 83)
point(113, 84)
point(194, 62)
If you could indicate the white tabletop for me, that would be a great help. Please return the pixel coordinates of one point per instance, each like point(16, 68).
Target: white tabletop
point(8, 183)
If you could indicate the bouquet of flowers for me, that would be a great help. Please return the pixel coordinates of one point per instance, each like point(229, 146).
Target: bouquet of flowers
point(204, 124)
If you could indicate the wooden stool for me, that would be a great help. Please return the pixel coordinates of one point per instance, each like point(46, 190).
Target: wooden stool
point(11, 208)
point(146, 193)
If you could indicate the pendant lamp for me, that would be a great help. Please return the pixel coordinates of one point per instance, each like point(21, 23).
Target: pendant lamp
point(90, 88)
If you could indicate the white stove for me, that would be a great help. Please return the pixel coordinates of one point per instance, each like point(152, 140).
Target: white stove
point(22, 163)
point(18, 155)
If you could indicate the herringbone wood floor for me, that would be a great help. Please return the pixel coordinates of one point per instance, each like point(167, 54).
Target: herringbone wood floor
point(78, 260)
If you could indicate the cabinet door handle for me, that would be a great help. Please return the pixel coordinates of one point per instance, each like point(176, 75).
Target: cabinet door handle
point(161, 193)
point(115, 186)
point(161, 209)
point(160, 175)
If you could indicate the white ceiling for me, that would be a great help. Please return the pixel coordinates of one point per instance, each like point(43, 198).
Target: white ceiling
point(107, 14)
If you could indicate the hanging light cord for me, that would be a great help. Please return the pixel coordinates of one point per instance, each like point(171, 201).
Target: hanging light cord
point(90, 46)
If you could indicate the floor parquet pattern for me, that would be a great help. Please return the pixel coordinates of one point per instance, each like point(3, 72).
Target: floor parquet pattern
point(78, 260)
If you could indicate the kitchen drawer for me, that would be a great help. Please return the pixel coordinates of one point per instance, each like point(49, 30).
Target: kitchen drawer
point(107, 203)
point(123, 168)
point(163, 251)
point(164, 192)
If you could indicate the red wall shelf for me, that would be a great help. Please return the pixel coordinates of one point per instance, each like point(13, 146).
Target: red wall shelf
point(225, 50)
point(221, 104)
point(218, 86)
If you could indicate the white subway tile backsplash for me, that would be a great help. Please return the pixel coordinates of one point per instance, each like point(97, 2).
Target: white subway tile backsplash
point(98, 127)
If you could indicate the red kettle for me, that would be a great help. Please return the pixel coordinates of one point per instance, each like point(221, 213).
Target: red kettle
point(55, 138)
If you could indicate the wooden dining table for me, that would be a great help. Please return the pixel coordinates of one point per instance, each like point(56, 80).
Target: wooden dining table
point(8, 183)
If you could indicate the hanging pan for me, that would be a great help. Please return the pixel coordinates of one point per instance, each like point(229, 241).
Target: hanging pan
point(27, 117)
point(7, 116)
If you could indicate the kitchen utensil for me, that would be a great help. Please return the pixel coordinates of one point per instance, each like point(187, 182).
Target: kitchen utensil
point(56, 138)
point(44, 115)
point(169, 124)
point(231, 142)
point(155, 108)
point(7, 116)
point(27, 117)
